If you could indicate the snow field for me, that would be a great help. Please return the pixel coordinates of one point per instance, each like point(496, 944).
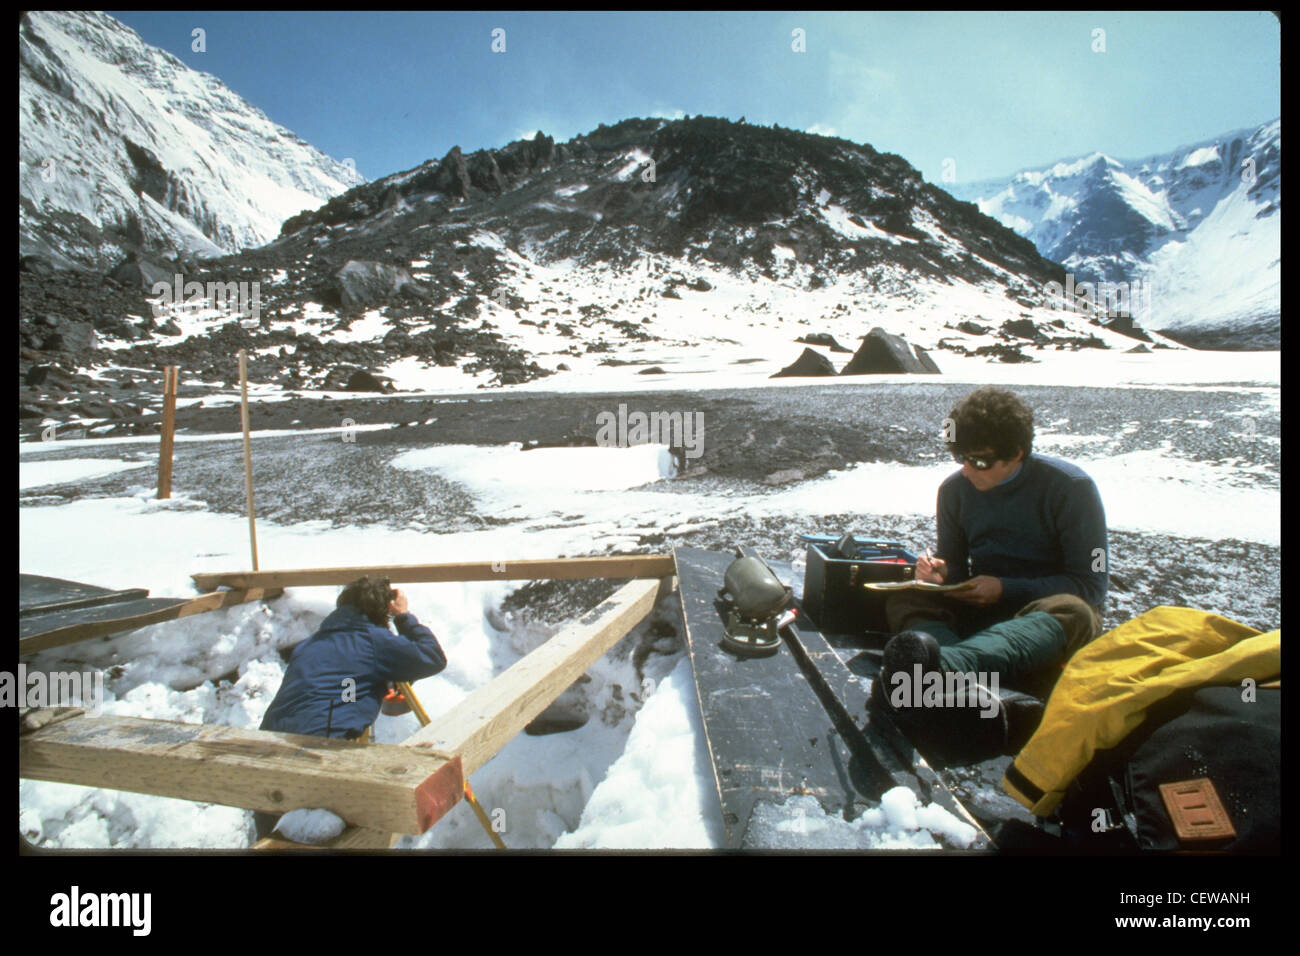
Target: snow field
point(633, 777)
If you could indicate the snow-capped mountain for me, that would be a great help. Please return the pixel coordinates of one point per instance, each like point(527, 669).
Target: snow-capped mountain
point(652, 246)
point(1200, 227)
point(122, 148)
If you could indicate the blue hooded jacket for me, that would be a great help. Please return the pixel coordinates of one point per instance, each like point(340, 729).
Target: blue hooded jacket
point(337, 678)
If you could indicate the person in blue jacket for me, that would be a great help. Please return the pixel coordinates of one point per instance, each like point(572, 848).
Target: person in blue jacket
point(1027, 534)
point(337, 678)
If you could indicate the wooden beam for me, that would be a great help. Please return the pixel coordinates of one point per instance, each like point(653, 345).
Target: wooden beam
point(353, 838)
point(483, 722)
point(615, 566)
point(86, 630)
point(384, 787)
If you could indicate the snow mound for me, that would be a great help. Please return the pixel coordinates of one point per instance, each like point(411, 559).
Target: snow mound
point(899, 823)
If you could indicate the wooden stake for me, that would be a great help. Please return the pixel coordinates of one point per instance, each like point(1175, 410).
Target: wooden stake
point(248, 452)
point(171, 379)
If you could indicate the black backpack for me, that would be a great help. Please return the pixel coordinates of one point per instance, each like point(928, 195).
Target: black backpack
point(1150, 793)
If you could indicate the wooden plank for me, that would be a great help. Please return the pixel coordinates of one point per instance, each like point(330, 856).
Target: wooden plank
point(485, 720)
point(376, 786)
point(36, 634)
point(615, 566)
point(353, 838)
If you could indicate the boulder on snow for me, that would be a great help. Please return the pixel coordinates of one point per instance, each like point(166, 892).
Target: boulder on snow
point(808, 365)
point(1022, 329)
point(824, 339)
point(362, 285)
point(926, 362)
point(136, 272)
point(363, 380)
point(1123, 324)
point(1138, 349)
point(1003, 353)
point(347, 378)
point(884, 354)
point(972, 328)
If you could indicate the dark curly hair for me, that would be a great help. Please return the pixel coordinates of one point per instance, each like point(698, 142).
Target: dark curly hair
point(991, 418)
point(371, 596)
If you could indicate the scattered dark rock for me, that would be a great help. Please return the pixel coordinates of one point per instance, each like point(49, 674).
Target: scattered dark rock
point(35, 265)
point(972, 328)
point(824, 339)
point(36, 375)
point(136, 272)
point(363, 285)
point(1003, 352)
point(1022, 329)
point(652, 370)
point(169, 328)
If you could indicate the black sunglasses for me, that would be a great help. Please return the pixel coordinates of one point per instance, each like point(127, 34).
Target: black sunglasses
point(979, 464)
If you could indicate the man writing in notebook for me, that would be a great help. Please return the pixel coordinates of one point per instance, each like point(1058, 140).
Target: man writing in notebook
point(1027, 534)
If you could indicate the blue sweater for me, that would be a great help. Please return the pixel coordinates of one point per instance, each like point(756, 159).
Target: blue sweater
point(337, 678)
point(1038, 533)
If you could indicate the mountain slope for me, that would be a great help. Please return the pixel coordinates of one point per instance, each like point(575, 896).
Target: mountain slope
point(122, 147)
point(1199, 226)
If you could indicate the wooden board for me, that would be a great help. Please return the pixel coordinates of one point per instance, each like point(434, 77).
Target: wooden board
point(378, 786)
point(768, 735)
point(38, 632)
point(615, 566)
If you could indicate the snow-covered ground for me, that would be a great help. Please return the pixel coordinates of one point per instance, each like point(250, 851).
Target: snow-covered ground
point(637, 774)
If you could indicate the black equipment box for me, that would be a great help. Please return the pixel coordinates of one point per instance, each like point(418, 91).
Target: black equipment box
point(833, 595)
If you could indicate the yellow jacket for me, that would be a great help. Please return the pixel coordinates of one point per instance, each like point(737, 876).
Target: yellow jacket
point(1106, 688)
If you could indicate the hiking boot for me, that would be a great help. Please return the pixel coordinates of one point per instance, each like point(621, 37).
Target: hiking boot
point(1021, 716)
point(1076, 617)
point(902, 653)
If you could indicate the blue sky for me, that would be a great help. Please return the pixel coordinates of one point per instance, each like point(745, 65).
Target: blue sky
point(993, 92)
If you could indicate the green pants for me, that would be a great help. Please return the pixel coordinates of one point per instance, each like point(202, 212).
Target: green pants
point(1026, 653)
